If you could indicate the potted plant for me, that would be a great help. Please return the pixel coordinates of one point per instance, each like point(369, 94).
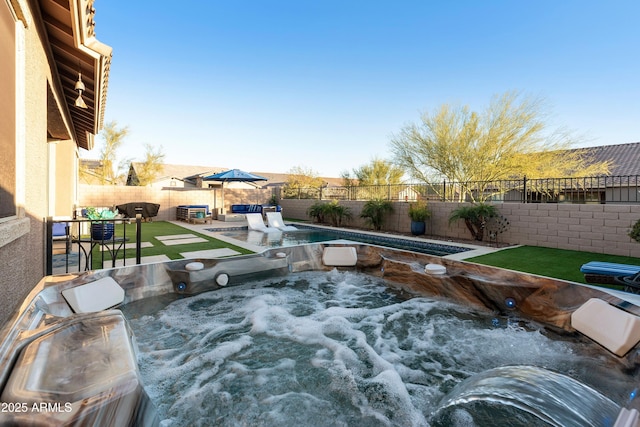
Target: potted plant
point(100, 229)
point(418, 212)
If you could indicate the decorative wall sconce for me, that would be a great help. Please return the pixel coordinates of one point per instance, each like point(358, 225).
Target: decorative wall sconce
point(80, 88)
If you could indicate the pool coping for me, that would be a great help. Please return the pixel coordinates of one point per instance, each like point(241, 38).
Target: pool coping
point(214, 229)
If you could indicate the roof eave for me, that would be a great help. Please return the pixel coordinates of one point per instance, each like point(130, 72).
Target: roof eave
point(74, 48)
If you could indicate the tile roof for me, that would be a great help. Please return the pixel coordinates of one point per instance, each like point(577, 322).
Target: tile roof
point(190, 173)
point(625, 158)
point(183, 171)
point(278, 179)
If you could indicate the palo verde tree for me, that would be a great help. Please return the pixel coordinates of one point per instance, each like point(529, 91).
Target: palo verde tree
point(374, 175)
point(113, 138)
point(302, 183)
point(510, 139)
point(378, 172)
point(152, 165)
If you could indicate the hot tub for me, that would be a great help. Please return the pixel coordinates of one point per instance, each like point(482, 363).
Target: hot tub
point(69, 355)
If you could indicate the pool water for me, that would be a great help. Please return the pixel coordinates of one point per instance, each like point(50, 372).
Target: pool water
point(308, 235)
point(342, 349)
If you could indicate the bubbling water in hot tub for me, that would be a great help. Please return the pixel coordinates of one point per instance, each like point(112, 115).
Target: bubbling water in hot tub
point(344, 349)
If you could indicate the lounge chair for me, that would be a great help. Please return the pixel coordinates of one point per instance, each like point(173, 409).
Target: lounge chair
point(613, 274)
point(275, 221)
point(255, 222)
point(631, 283)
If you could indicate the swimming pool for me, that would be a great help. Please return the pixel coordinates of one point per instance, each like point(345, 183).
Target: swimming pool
point(283, 337)
point(309, 234)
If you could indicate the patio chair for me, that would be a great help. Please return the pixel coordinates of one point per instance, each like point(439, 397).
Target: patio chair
point(275, 220)
point(60, 232)
point(255, 222)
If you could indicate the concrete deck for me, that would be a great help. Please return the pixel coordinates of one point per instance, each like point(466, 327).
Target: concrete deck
point(202, 228)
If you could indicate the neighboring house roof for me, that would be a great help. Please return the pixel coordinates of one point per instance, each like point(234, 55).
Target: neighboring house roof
point(280, 179)
point(188, 173)
point(191, 174)
point(91, 172)
point(624, 158)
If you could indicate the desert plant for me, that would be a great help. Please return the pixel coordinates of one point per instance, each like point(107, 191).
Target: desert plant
point(374, 212)
point(419, 211)
point(337, 213)
point(317, 211)
point(635, 231)
point(332, 212)
point(496, 225)
point(475, 218)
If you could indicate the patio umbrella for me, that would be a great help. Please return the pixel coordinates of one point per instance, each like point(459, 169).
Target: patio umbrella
point(233, 175)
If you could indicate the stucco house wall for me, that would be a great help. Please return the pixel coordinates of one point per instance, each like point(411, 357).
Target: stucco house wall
point(21, 254)
point(37, 123)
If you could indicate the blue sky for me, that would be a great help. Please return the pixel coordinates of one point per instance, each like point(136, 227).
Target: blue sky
point(271, 85)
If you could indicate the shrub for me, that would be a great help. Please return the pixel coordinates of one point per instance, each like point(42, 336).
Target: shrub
point(475, 218)
point(374, 212)
point(332, 211)
point(337, 213)
point(317, 212)
point(635, 231)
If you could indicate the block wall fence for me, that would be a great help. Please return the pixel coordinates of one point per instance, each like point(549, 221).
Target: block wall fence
point(168, 197)
point(600, 228)
point(593, 228)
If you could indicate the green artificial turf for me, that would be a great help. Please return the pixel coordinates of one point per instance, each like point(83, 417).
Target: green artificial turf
point(556, 263)
point(150, 230)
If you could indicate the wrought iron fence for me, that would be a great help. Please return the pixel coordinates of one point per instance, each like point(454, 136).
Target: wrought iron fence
point(83, 244)
point(599, 189)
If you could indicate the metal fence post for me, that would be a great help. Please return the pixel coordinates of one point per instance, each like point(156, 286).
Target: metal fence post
point(49, 245)
point(524, 189)
point(138, 237)
point(444, 190)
